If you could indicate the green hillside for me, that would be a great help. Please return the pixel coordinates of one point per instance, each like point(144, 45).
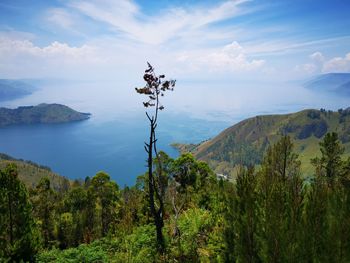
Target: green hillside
point(42, 113)
point(30, 173)
point(246, 141)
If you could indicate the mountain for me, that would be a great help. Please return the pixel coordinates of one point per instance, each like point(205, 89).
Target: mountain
point(42, 113)
point(332, 82)
point(246, 141)
point(31, 173)
point(13, 89)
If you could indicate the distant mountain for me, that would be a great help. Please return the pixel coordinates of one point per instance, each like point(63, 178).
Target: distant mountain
point(333, 82)
point(42, 113)
point(30, 173)
point(13, 89)
point(246, 141)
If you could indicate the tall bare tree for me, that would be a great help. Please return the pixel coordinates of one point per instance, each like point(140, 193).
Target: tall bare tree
point(155, 87)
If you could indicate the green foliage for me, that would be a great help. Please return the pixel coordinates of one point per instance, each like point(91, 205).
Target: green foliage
point(84, 253)
point(268, 214)
point(280, 203)
point(106, 194)
point(65, 230)
point(185, 171)
point(331, 155)
point(246, 217)
point(141, 245)
point(193, 224)
point(43, 199)
point(18, 236)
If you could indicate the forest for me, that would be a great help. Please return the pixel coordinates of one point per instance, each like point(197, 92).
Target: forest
point(268, 213)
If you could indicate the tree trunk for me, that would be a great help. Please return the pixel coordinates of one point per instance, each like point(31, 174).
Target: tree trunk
point(151, 185)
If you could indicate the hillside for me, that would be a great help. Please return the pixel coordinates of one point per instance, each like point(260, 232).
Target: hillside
point(338, 83)
point(246, 141)
point(42, 113)
point(13, 89)
point(30, 173)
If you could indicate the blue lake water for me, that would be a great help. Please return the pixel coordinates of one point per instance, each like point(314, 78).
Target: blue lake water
point(112, 140)
point(81, 149)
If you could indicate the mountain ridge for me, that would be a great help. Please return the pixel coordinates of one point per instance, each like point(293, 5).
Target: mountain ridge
point(246, 141)
point(331, 82)
point(14, 89)
point(30, 173)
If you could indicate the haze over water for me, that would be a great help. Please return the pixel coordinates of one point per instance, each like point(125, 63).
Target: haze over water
point(112, 140)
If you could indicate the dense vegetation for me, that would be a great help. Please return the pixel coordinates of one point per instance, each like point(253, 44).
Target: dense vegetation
point(266, 215)
point(42, 113)
point(246, 142)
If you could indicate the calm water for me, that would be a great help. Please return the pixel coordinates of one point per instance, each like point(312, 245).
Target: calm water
point(81, 149)
point(112, 140)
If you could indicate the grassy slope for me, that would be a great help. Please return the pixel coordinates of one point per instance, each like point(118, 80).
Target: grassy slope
point(31, 173)
point(246, 141)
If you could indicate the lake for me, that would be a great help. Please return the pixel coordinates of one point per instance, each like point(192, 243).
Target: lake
point(81, 149)
point(112, 140)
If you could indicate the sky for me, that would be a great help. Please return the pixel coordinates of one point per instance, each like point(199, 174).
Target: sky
point(231, 58)
point(191, 40)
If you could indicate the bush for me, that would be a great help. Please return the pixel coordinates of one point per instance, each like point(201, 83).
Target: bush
point(83, 253)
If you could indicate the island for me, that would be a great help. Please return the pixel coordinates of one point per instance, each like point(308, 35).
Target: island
point(42, 113)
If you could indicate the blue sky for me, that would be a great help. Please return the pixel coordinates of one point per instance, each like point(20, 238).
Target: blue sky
point(192, 40)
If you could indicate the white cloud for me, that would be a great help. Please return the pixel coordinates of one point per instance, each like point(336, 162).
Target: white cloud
point(21, 58)
point(10, 33)
point(60, 17)
point(285, 46)
point(233, 58)
point(321, 65)
point(182, 40)
point(126, 17)
point(307, 68)
point(337, 64)
point(56, 50)
point(317, 57)
point(315, 66)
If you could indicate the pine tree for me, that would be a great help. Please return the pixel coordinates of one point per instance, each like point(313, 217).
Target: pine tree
point(65, 234)
point(229, 233)
point(315, 221)
point(43, 199)
point(77, 202)
point(18, 236)
point(330, 161)
point(246, 217)
point(280, 203)
point(106, 193)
